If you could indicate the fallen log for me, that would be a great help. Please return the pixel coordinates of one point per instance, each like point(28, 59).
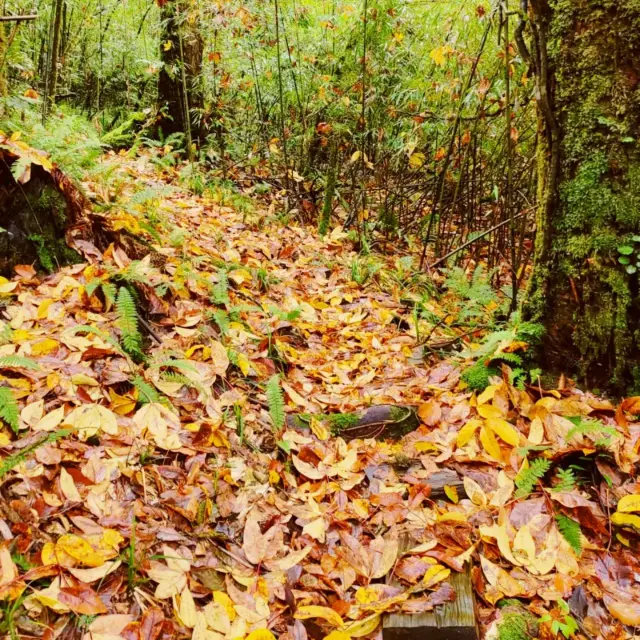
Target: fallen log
point(45, 219)
point(383, 422)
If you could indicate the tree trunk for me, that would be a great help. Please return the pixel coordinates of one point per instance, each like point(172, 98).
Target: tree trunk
point(55, 51)
point(181, 51)
point(586, 58)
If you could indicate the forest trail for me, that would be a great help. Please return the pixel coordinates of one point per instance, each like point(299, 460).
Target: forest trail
point(164, 470)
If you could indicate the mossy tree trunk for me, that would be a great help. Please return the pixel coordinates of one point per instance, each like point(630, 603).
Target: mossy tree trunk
point(181, 52)
point(586, 58)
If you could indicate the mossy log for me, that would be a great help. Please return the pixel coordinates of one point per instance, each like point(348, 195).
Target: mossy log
point(385, 422)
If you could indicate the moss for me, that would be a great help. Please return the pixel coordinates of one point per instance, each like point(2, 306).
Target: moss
point(584, 296)
point(338, 422)
point(124, 135)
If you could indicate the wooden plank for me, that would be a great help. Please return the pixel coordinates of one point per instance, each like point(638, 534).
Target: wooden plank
point(450, 621)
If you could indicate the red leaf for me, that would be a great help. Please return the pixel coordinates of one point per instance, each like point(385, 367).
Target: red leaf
point(82, 599)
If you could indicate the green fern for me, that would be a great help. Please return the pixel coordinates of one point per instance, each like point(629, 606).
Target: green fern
point(172, 376)
point(570, 531)
point(10, 462)
point(109, 291)
point(220, 290)
point(9, 411)
point(566, 480)
point(275, 398)
point(601, 434)
point(128, 323)
point(6, 334)
point(146, 393)
point(527, 479)
point(221, 318)
point(18, 362)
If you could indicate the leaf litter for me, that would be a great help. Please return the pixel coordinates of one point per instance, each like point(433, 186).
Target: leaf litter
point(153, 489)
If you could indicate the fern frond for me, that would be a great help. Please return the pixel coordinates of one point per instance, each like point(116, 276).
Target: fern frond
point(13, 461)
point(92, 285)
point(128, 323)
point(528, 478)
point(172, 376)
point(146, 393)
point(221, 318)
point(600, 433)
point(566, 480)
point(570, 531)
point(6, 334)
point(9, 411)
point(182, 365)
point(275, 398)
point(109, 291)
point(220, 290)
point(18, 362)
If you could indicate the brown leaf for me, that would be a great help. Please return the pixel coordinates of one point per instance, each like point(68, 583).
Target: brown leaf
point(82, 599)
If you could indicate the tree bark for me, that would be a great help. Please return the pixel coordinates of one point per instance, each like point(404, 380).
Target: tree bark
point(181, 66)
point(55, 51)
point(586, 59)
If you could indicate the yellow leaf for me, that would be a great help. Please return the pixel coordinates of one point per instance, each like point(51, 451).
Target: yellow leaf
point(489, 411)
point(467, 432)
point(536, 431)
point(221, 598)
point(451, 493)
point(504, 492)
point(452, 516)
point(626, 520)
point(499, 532)
point(84, 379)
point(51, 420)
point(314, 611)
point(487, 394)
point(79, 549)
point(187, 609)
point(416, 160)
point(43, 309)
point(48, 553)
point(44, 347)
point(504, 431)
point(167, 45)
point(629, 504)
point(338, 635)
point(435, 574)
point(474, 492)
point(261, 634)
point(362, 627)
point(68, 486)
point(356, 156)
point(423, 447)
point(490, 443)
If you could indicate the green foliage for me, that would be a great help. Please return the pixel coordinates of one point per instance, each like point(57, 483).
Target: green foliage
point(275, 400)
point(602, 435)
point(128, 324)
point(363, 269)
point(477, 377)
point(527, 479)
point(570, 531)
point(513, 626)
point(18, 362)
point(10, 462)
point(220, 290)
point(565, 623)
point(566, 480)
point(9, 411)
point(146, 393)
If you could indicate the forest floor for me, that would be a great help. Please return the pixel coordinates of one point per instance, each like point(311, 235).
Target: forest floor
point(174, 476)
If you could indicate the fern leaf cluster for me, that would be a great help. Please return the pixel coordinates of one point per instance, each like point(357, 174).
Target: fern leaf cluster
point(601, 434)
point(566, 480)
point(18, 362)
point(527, 479)
point(220, 290)
point(146, 393)
point(9, 411)
point(128, 323)
point(570, 531)
point(275, 399)
point(10, 462)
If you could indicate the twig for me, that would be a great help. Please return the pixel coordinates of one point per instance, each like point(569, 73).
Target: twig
point(148, 327)
point(444, 258)
point(31, 16)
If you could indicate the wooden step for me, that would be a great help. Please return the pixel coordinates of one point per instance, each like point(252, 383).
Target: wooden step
point(450, 621)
